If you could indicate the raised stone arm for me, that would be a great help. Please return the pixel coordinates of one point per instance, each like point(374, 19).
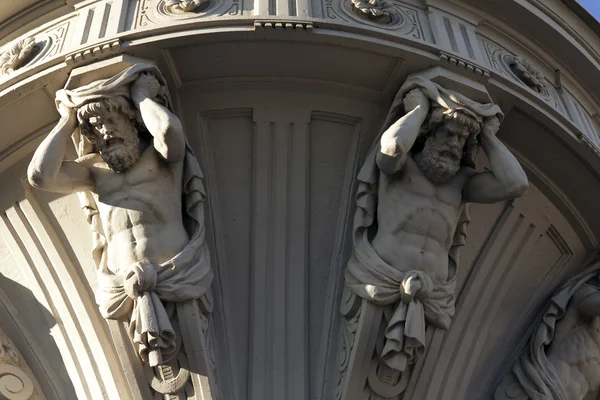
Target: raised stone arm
point(587, 301)
point(506, 181)
point(48, 168)
point(399, 138)
point(163, 125)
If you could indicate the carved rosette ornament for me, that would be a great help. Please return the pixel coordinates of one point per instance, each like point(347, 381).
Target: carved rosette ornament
point(562, 357)
point(17, 55)
point(185, 6)
point(397, 282)
point(526, 73)
point(16, 379)
point(521, 70)
point(380, 11)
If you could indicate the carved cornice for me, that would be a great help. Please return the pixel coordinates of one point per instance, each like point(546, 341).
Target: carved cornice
point(289, 26)
point(461, 64)
point(95, 52)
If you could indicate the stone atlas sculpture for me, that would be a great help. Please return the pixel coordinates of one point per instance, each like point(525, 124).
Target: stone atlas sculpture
point(411, 216)
point(146, 212)
point(562, 358)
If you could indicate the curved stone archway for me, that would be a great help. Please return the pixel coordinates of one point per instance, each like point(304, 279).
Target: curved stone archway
point(280, 102)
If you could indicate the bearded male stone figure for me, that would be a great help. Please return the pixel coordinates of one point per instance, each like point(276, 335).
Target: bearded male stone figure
point(134, 158)
point(411, 215)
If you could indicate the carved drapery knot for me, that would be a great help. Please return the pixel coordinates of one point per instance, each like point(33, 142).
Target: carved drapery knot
point(415, 285)
point(141, 277)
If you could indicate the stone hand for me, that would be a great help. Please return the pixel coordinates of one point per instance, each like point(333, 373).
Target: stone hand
point(414, 99)
point(68, 115)
point(66, 112)
point(410, 287)
point(145, 86)
point(491, 126)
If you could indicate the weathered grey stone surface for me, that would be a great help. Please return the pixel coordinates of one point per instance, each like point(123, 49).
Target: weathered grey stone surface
point(281, 101)
point(411, 217)
point(562, 357)
point(146, 212)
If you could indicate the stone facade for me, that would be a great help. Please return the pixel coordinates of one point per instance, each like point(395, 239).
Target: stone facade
point(206, 200)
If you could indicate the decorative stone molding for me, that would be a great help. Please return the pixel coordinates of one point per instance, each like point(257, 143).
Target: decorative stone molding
point(387, 14)
point(525, 72)
point(27, 52)
point(158, 12)
point(520, 70)
point(562, 355)
point(185, 6)
point(350, 308)
point(380, 11)
point(461, 64)
point(19, 54)
point(283, 26)
point(95, 52)
point(16, 379)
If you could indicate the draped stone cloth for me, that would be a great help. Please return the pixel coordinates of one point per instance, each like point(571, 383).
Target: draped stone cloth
point(140, 288)
point(374, 280)
point(533, 370)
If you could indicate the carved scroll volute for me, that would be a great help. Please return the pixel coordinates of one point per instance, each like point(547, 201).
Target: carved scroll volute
point(16, 379)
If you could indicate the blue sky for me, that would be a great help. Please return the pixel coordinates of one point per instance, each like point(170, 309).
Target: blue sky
point(593, 6)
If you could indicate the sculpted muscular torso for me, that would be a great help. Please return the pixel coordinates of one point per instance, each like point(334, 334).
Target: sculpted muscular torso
point(417, 220)
point(575, 349)
point(137, 181)
point(421, 193)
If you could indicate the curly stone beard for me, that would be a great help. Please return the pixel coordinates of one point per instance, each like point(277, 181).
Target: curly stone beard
point(437, 167)
point(122, 156)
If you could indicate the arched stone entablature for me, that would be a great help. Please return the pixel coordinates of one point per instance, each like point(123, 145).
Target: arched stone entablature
point(280, 101)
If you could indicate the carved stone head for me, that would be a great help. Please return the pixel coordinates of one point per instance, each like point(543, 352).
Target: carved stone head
point(110, 124)
point(448, 138)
